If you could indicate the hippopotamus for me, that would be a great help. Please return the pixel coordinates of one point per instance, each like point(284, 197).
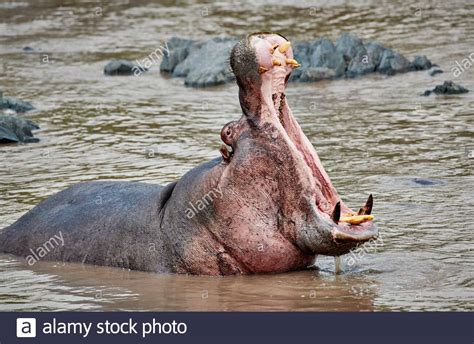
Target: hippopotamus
point(265, 205)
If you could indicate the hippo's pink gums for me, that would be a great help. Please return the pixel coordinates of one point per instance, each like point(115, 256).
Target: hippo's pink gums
point(266, 205)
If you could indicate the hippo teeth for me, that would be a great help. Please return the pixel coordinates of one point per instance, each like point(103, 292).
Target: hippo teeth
point(367, 208)
point(293, 63)
point(284, 47)
point(357, 219)
point(336, 213)
point(354, 218)
point(276, 62)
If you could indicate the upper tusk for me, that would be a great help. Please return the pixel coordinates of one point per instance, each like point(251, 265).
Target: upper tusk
point(293, 63)
point(284, 47)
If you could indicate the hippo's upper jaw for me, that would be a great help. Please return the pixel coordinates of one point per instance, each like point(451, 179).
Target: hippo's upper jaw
point(311, 212)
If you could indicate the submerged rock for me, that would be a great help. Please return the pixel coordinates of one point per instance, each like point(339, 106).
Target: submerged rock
point(122, 67)
point(16, 129)
point(421, 62)
point(448, 87)
point(325, 55)
point(427, 182)
point(14, 104)
point(356, 54)
point(434, 71)
point(392, 62)
point(206, 63)
point(178, 51)
point(202, 64)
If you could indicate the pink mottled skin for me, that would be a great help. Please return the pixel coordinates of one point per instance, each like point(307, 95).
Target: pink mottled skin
point(275, 212)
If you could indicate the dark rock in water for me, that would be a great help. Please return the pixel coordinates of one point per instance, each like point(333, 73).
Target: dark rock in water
point(427, 182)
point(435, 71)
point(302, 53)
point(448, 87)
point(356, 55)
point(28, 49)
point(421, 62)
point(16, 129)
point(14, 104)
point(122, 67)
point(207, 64)
point(350, 46)
point(375, 51)
point(178, 51)
point(327, 56)
point(392, 62)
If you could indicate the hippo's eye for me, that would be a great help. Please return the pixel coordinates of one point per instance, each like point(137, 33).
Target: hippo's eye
point(228, 132)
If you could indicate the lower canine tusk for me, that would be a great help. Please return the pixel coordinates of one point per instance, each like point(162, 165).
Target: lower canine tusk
point(336, 213)
point(367, 208)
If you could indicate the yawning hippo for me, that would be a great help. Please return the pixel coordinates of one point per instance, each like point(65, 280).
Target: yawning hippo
point(266, 205)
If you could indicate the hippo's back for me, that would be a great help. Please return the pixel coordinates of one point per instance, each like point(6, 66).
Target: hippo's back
point(102, 223)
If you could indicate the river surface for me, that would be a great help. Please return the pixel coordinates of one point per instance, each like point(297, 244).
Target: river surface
point(374, 134)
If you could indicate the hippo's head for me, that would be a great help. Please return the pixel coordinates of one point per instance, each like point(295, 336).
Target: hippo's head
point(274, 184)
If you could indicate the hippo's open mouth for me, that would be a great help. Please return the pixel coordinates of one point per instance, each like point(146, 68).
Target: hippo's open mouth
point(275, 59)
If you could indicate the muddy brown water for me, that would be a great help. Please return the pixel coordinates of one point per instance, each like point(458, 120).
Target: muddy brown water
point(374, 134)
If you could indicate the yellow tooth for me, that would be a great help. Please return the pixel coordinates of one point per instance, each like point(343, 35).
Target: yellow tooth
point(293, 63)
point(284, 47)
point(355, 220)
point(262, 69)
point(276, 62)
